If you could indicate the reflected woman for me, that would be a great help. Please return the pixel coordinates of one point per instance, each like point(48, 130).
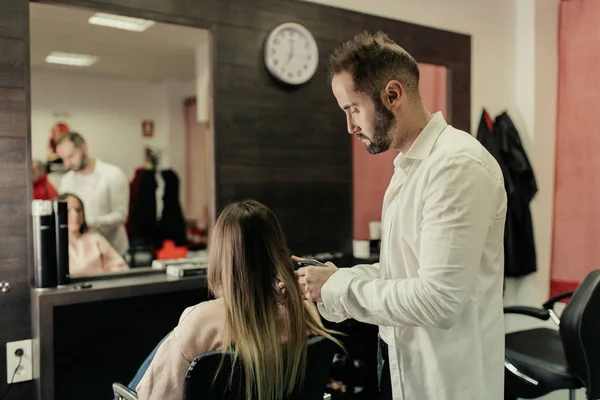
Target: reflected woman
point(89, 252)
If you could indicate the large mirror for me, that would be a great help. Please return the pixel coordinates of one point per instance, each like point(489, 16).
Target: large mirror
point(372, 173)
point(121, 129)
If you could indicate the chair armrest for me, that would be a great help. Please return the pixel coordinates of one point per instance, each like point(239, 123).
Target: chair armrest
point(539, 313)
point(121, 391)
point(549, 305)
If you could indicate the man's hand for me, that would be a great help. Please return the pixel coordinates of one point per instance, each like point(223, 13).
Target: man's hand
point(312, 279)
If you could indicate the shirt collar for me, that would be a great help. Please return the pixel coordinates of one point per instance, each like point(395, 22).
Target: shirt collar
point(423, 145)
point(97, 167)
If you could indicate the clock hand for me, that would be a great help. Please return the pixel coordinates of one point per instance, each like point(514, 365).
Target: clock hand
point(291, 53)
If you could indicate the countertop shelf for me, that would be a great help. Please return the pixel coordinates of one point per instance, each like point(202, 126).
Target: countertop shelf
point(115, 288)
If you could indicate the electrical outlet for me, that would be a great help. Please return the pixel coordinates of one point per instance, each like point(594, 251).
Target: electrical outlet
point(25, 371)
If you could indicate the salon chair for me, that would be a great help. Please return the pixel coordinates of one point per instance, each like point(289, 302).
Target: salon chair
point(539, 361)
point(200, 382)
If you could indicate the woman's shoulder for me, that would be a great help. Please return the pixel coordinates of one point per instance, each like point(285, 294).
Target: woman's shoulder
point(206, 309)
point(201, 328)
point(92, 236)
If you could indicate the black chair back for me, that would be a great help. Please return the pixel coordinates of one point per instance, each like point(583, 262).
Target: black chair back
point(200, 382)
point(580, 334)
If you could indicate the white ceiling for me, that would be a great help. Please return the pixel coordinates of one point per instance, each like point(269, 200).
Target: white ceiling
point(162, 52)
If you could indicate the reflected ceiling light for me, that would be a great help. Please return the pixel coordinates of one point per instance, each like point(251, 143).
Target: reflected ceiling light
point(76, 60)
point(120, 22)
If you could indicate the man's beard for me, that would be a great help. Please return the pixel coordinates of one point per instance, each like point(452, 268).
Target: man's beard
point(382, 126)
point(82, 164)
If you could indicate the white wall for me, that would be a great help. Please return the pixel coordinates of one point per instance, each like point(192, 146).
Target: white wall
point(108, 112)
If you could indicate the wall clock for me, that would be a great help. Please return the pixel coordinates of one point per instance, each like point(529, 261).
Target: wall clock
point(291, 53)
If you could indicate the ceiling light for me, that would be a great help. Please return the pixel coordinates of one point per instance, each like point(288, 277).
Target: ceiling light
point(120, 22)
point(77, 60)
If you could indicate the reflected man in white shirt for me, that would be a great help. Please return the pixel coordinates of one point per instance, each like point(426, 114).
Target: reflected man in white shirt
point(436, 293)
point(103, 188)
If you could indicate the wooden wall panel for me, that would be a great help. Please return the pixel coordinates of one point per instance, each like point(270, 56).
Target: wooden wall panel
point(286, 148)
point(13, 105)
point(15, 192)
point(11, 19)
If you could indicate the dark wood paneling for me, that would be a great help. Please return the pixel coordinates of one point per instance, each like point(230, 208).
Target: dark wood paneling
point(15, 318)
point(15, 192)
point(270, 129)
point(11, 19)
point(13, 105)
point(321, 228)
point(460, 101)
point(286, 148)
point(255, 87)
point(14, 63)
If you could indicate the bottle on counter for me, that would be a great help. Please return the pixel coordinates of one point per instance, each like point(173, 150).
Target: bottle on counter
point(374, 238)
point(44, 244)
point(61, 228)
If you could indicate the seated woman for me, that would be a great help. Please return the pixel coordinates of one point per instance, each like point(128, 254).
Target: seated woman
point(89, 252)
point(251, 315)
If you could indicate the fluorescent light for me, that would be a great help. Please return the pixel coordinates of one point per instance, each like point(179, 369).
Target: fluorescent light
point(76, 60)
point(120, 22)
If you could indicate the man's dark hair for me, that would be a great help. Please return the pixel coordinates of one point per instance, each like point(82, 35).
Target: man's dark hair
point(73, 137)
point(373, 59)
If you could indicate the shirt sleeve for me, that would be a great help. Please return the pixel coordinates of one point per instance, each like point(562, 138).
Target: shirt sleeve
point(461, 201)
point(111, 260)
point(119, 202)
point(338, 314)
point(164, 379)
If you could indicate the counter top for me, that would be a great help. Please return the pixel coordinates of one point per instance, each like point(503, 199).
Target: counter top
point(129, 302)
point(115, 288)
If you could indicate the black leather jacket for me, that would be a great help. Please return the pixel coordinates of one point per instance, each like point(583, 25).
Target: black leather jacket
point(504, 143)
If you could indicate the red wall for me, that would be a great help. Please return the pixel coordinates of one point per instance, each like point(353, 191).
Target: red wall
point(576, 232)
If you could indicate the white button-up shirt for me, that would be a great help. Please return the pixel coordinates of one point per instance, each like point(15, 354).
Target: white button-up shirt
point(436, 293)
point(105, 196)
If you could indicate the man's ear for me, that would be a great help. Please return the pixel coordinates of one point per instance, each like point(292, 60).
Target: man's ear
point(392, 94)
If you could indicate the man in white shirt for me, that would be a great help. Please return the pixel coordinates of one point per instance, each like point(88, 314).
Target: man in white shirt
point(436, 293)
point(102, 187)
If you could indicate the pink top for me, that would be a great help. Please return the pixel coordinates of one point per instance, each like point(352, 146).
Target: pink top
point(200, 330)
point(91, 254)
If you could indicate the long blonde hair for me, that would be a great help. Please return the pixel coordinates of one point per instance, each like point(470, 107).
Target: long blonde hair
point(248, 258)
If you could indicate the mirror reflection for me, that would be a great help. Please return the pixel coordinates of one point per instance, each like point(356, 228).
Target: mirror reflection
point(120, 130)
point(372, 173)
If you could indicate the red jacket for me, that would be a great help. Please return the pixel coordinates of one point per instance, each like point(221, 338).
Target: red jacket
point(43, 189)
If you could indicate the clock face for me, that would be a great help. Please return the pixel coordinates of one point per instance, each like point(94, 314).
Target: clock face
point(291, 53)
